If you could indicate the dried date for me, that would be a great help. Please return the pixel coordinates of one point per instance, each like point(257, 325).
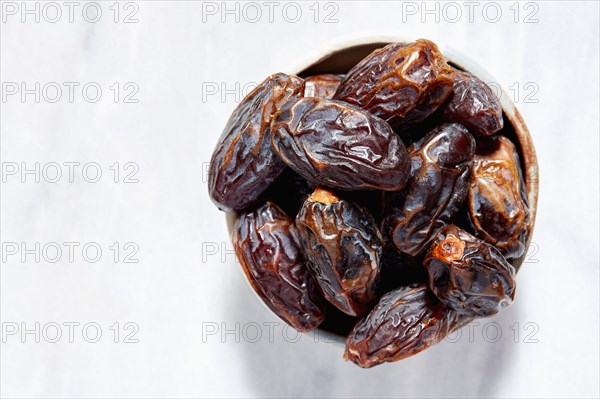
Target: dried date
point(243, 164)
point(469, 275)
point(497, 203)
point(405, 322)
point(322, 86)
point(438, 184)
point(337, 145)
point(343, 246)
point(402, 83)
point(473, 104)
point(267, 246)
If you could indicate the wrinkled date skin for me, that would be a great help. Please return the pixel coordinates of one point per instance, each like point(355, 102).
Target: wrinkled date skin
point(337, 145)
point(438, 184)
point(402, 83)
point(266, 244)
point(343, 246)
point(405, 322)
point(469, 275)
point(497, 203)
point(243, 164)
point(473, 104)
point(322, 86)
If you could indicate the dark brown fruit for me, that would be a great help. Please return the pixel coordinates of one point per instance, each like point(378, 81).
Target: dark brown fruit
point(469, 275)
point(438, 184)
point(405, 322)
point(402, 83)
point(337, 145)
point(473, 104)
point(243, 164)
point(322, 86)
point(341, 229)
point(343, 246)
point(266, 244)
point(497, 202)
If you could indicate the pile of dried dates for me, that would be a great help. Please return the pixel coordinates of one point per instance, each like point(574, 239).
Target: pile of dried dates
point(386, 204)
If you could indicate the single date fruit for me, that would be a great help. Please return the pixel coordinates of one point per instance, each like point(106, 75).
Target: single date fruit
point(402, 83)
point(337, 145)
point(473, 104)
point(323, 86)
point(243, 164)
point(343, 246)
point(405, 322)
point(469, 275)
point(497, 203)
point(438, 184)
point(266, 244)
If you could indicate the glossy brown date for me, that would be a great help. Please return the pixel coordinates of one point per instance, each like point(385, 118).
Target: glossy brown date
point(469, 275)
point(243, 164)
point(337, 145)
point(438, 184)
point(497, 203)
point(322, 86)
point(473, 104)
point(402, 83)
point(405, 322)
point(266, 244)
point(343, 246)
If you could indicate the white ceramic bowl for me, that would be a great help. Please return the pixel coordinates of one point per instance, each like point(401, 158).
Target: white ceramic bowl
point(339, 57)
